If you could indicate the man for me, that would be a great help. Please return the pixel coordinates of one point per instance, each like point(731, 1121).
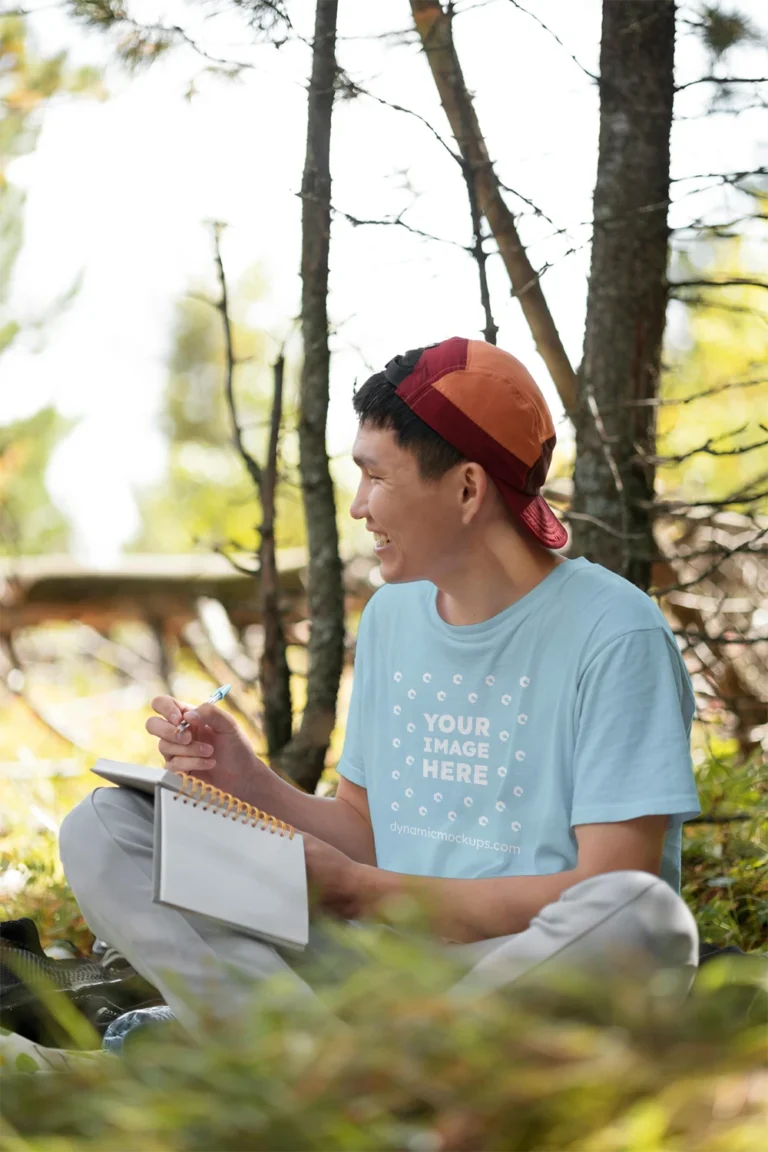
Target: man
point(517, 746)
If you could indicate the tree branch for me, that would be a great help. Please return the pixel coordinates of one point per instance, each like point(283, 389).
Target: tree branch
point(556, 38)
point(434, 27)
point(707, 449)
point(223, 308)
point(705, 636)
point(356, 90)
point(481, 256)
point(722, 177)
point(590, 519)
point(721, 80)
point(733, 282)
point(744, 547)
point(657, 402)
point(683, 505)
point(241, 568)
point(398, 222)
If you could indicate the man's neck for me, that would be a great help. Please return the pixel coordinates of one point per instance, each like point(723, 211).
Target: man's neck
point(493, 578)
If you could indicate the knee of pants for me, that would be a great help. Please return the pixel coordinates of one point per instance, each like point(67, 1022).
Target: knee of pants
point(647, 913)
point(88, 833)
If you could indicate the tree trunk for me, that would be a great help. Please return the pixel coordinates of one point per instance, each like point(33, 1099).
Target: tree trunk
point(304, 757)
point(434, 28)
point(626, 304)
point(274, 673)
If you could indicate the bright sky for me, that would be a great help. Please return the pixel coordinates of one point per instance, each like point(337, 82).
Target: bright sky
point(119, 192)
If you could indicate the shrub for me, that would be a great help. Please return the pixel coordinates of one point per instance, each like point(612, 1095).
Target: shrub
point(398, 1064)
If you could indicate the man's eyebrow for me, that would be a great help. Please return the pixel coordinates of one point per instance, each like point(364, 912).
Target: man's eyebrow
point(363, 461)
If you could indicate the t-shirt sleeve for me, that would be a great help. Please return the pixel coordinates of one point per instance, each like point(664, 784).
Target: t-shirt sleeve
point(634, 710)
point(352, 762)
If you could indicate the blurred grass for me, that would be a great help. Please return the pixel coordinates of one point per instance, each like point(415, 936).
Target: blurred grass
point(398, 1064)
point(595, 1069)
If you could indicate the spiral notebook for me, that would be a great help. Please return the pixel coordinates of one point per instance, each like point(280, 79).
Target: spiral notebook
point(219, 857)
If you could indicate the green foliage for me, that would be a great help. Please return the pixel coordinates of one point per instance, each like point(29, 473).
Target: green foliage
point(208, 498)
point(99, 13)
point(725, 865)
point(11, 235)
point(46, 897)
point(566, 1066)
point(30, 524)
point(136, 45)
point(398, 1064)
point(722, 29)
point(28, 82)
point(722, 352)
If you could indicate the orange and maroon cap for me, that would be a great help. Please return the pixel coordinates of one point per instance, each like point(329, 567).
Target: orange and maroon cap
point(487, 405)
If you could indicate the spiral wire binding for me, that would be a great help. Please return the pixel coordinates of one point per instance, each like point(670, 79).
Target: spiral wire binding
point(229, 805)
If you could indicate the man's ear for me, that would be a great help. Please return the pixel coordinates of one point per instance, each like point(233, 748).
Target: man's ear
point(474, 481)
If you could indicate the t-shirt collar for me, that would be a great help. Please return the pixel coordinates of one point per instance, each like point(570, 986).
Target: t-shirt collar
point(514, 614)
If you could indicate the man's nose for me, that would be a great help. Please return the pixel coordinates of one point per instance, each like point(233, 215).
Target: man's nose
point(358, 508)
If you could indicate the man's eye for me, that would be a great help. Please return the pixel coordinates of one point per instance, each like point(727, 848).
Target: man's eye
point(373, 477)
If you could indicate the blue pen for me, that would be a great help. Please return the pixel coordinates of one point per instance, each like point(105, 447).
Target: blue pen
point(214, 698)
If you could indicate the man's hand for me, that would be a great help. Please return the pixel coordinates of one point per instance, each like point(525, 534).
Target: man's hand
point(334, 880)
point(214, 748)
point(469, 910)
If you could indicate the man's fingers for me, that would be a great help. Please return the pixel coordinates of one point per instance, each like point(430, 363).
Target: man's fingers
point(212, 716)
point(195, 750)
point(170, 708)
point(156, 726)
point(190, 766)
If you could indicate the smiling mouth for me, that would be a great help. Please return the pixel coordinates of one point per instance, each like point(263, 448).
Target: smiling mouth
point(380, 541)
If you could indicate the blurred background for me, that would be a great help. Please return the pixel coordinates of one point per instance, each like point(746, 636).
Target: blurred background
point(175, 341)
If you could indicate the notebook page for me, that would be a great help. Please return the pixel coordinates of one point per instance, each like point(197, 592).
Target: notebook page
point(249, 878)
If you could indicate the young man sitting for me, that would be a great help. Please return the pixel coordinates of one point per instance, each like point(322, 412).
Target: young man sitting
point(517, 746)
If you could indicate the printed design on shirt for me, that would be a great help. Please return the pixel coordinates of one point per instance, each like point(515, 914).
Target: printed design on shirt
point(449, 740)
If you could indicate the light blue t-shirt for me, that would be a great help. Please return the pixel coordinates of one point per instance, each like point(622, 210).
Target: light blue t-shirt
point(483, 746)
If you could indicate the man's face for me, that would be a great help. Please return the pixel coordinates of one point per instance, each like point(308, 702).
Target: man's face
point(417, 523)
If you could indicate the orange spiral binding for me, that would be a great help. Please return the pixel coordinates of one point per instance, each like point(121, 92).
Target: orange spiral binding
point(197, 791)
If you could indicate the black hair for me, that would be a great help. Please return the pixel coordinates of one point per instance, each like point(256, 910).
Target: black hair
point(377, 404)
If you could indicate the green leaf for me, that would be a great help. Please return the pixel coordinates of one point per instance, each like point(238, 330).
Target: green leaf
point(25, 1063)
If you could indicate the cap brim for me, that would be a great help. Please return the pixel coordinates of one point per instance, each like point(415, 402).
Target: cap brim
point(535, 515)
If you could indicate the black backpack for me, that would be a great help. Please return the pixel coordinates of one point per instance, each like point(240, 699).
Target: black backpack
point(100, 991)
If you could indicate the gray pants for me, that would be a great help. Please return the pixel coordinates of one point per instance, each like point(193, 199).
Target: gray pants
point(106, 849)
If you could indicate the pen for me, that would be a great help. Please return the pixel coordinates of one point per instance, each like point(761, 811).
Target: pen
point(214, 698)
